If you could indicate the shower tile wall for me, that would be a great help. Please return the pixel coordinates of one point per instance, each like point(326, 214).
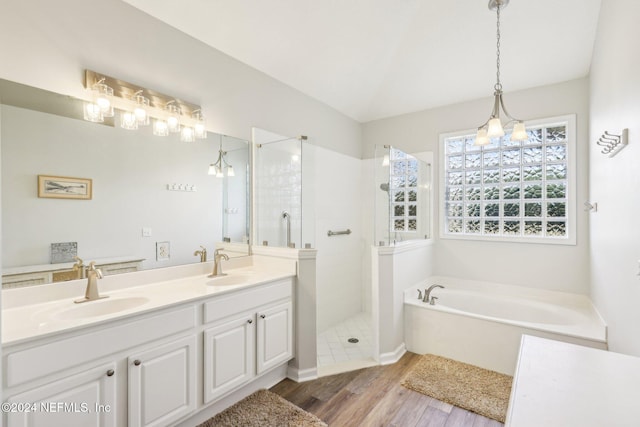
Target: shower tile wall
point(278, 177)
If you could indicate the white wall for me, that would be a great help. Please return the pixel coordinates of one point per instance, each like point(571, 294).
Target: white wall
point(614, 182)
point(556, 267)
point(48, 45)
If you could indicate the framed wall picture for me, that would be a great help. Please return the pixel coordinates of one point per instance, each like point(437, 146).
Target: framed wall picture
point(64, 187)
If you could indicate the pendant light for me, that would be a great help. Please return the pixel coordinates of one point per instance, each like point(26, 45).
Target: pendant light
point(493, 127)
point(217, 168)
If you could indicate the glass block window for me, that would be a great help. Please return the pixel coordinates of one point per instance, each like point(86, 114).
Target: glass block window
point(511, 190)
point(403, 187)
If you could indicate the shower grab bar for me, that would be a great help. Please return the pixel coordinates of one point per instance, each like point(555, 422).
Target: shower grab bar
point(338, 233)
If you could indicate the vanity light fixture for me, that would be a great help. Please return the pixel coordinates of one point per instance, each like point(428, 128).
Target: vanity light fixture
point(140, 107)
point(493, 127)
point(218, 167)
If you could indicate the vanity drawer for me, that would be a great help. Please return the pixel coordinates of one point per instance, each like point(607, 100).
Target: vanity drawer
point(39, 361)
point(224, 306)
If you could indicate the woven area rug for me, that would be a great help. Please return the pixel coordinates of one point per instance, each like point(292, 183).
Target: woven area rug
point(469, 387)
point(263, 409)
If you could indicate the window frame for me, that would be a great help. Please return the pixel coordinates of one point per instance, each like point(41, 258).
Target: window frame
point(571, 180)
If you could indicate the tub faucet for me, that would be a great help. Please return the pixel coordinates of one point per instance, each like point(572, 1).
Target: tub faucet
point(91, 293)
point(427, 294)
point(217, 266)
point(202, 253)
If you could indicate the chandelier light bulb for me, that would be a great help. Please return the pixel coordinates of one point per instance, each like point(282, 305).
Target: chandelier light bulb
point(519, 132)
point(482, 138)
point(495, 129)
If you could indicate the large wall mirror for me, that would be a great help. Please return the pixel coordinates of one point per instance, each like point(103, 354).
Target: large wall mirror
point(153, 202)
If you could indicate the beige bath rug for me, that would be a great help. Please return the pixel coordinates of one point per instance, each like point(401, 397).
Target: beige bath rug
point(469, 387)
point(263, 409)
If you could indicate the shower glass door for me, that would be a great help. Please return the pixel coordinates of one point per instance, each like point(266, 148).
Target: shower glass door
point(402, 197)
point(279, 166)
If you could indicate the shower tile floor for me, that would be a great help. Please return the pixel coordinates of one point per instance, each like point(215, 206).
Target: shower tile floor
point(337, 354)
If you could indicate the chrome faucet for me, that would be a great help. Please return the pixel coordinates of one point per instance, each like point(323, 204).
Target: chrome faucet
point(202, 253)
point(217, 266)
point(427, 294)
point(93, 274)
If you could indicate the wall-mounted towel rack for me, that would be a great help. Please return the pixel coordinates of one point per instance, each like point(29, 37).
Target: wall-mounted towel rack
point(611, 143)
point(338, 233)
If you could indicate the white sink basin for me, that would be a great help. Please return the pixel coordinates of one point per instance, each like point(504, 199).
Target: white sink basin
point(100, 307)
point(235, 279)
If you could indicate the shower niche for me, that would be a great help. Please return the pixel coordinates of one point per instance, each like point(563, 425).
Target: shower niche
point(403, 196)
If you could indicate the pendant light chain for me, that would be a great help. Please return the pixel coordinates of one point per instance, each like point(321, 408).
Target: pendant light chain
point(498, 85)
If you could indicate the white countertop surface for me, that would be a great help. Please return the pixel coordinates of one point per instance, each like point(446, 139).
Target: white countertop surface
point(557, 384)
point(34, 312)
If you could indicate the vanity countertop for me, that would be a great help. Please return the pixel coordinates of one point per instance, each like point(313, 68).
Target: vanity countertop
point(559, 384)
point(39, 311)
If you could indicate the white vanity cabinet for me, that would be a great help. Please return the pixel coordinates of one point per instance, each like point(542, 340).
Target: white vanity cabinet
point(162, 383)
point(154, 368)
point(239, 347)
point(62, 376)
point(84, 399)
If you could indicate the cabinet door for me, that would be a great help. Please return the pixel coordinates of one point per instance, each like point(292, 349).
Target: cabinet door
point(274, 336)
point(162, 383)
point(85, 399)
point(228, 356)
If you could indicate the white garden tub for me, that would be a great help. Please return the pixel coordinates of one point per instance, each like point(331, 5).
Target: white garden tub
point(482, 323)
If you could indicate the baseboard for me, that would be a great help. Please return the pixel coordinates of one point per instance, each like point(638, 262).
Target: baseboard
point(394, 356)
point(302, 375)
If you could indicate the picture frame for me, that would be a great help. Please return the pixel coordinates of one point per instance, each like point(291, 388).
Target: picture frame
point(64, 187)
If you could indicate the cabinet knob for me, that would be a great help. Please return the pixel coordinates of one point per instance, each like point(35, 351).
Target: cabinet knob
point(110, 372)
point(249, 321)
point(262, 316)
point(137, 362)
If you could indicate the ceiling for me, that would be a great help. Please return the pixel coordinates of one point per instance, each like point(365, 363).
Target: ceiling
point(372, 59)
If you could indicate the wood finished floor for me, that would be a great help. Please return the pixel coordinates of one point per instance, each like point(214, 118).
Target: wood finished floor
point(375, 397)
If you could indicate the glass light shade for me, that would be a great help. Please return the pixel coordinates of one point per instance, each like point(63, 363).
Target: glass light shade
point(187, 134)
point(173, 118)
point(495, 128)
point(481, 137)
point(212, 169)
point(201, 132)
point(295, 157)
point(102, 97)
point(128, 120)
point(141, 110)
point(230, 171)
point(219, 173)
point(199, 127)
point(160, 128)
point(385, 160)
point(519, 132)
point(92, 113)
